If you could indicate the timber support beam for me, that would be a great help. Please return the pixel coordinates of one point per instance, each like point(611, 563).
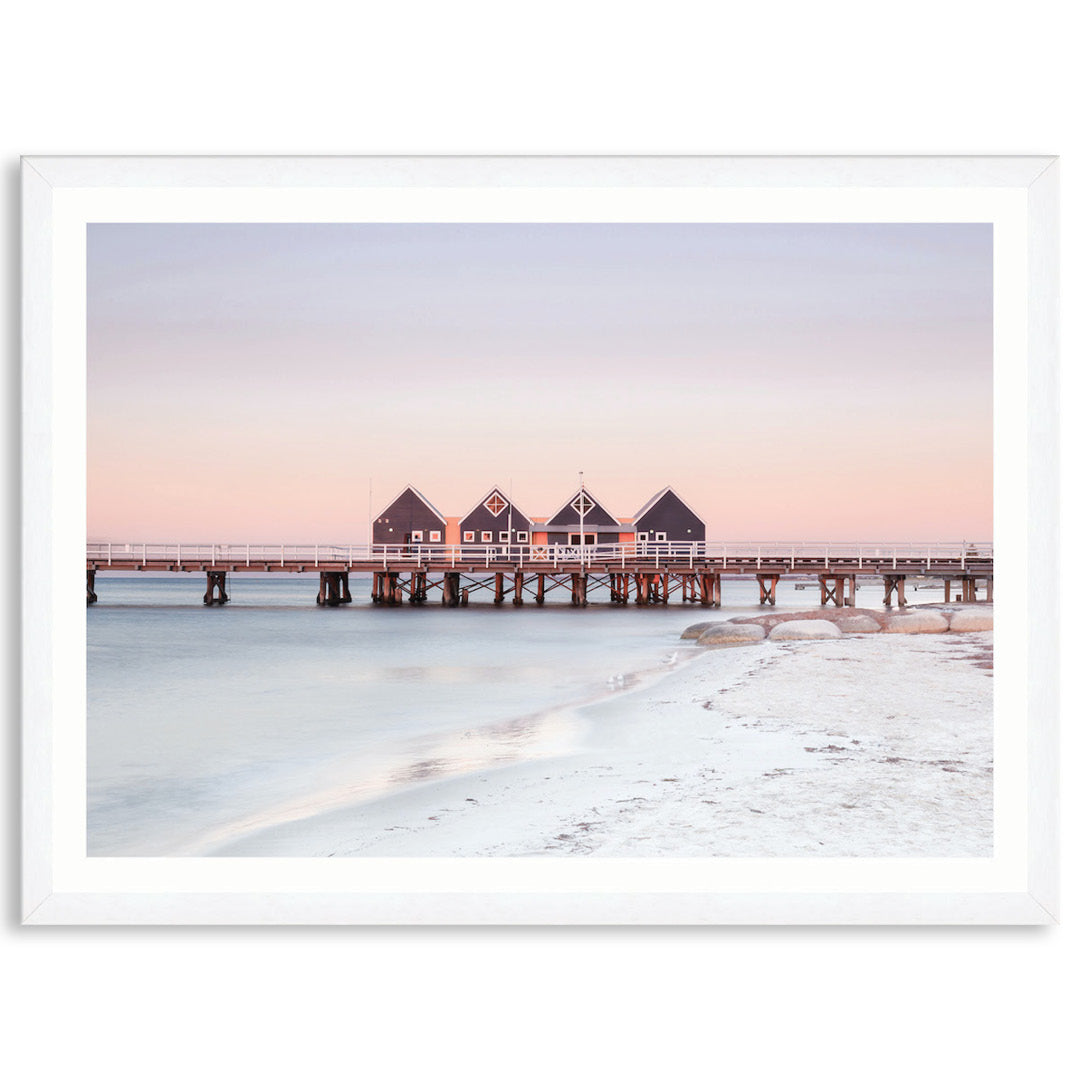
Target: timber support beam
point(215, 588)
point(579, 585)
point(91, 596)
point(894, 583)
point(451, 592)
point(832, 588)
point(767, 588)
point(333, 588)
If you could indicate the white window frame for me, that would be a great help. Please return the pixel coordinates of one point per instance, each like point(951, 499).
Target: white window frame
point(643, 538)
point(435, 536)
point(661, 538)
point(418, 536)
point(504, 537)
point(470, 536)
point(522, 536)
point(485, 538)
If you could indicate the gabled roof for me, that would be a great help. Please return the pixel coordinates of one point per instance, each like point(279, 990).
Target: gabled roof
point(657, 497)
point(509, 502)
point(409, 487)
point(596, 504)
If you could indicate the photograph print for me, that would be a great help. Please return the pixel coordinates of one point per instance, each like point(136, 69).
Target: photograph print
point(540, 540)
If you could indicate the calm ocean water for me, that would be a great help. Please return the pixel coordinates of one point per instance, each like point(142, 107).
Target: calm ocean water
point(206, 723)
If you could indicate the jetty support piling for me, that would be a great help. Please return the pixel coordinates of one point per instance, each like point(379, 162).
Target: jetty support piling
point(333, 588)
point(851, 601)
point(91, 596)
point(418, 588)
point(498, 588)
point(451, 596)
point(990, 590)
point(948, 588)
point(833, 591)
point(894, 583)
point(613, 587)
point(215, 588)
point(578, 589)
point(767, 588)
point(706, 590)
point(519, 588)
point(464, 598)
point(540, 588)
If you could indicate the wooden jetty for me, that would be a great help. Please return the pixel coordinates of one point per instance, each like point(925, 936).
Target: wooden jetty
point(640, 573)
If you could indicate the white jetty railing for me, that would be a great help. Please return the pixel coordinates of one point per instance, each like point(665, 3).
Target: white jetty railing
point(742, 554)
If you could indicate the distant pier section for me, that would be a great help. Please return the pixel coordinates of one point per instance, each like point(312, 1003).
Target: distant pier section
point(640, 572)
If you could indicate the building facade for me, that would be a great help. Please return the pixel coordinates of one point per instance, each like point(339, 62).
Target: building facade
point(583, 520)
point(495, 520)
point(667, 518)
point(409, 520)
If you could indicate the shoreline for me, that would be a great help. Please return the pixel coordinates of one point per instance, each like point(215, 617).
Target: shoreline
point(552, 733)
point(730, 752)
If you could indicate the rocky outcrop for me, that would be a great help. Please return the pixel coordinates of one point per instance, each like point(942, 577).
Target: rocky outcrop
point(859, 624)
point(695, 630)
point(830, 614)
point(805, 630)
point(729, 633)
point(968, 620)
point(918, 622)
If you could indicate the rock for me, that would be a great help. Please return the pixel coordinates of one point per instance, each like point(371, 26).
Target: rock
point(694, 631)
point(918, 622)
point(830, 614)
point(859, 624)
point(726, 633)
point(967, 620)
point(804, 630)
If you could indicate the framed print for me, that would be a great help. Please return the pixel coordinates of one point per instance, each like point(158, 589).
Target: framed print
point(540, 540)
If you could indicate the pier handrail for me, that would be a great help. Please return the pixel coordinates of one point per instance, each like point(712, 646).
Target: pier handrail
point(753, 554)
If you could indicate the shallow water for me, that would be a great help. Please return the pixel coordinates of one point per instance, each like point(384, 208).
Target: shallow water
point(206, 723)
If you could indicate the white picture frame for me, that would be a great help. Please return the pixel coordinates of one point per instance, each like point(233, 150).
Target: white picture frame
point(62, 886)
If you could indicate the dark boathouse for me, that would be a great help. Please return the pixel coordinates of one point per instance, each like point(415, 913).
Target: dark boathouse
point(565, 525)
point(495, 520)
point(410, 520)
point(665, 517)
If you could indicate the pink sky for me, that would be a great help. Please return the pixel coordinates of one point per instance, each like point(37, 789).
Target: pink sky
point(247, 382)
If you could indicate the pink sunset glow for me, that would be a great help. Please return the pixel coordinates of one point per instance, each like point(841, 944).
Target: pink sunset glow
point(791, 382)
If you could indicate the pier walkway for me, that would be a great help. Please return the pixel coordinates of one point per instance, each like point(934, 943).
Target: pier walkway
point(642, 573)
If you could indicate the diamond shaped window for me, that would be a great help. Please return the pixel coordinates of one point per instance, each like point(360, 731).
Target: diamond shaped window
point(496, 504)
point(582, 504)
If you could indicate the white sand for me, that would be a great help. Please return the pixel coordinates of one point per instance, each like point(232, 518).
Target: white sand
point(876, 746)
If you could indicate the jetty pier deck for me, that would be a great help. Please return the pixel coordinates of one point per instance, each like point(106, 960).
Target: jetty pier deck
point(641, 573)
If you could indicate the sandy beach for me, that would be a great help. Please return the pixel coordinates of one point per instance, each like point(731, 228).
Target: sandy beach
point(868, 745)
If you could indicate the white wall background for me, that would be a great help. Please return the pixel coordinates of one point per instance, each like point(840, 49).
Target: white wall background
point(583, 77)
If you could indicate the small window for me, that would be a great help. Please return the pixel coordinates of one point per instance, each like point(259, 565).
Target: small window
point(522, 537)
point(661, 536)
point(485, 538)
point(434, 536)
point(643, 538)
point(418, 536)
point(504, 538)
point(470, 537)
